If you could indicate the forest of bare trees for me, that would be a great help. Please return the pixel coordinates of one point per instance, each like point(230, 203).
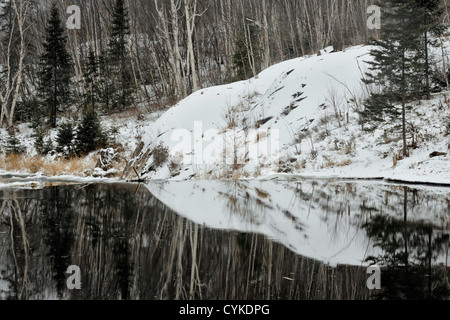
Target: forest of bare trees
point(176, 46)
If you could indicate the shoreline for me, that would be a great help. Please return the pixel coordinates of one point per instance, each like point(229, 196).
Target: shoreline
point(17, 179)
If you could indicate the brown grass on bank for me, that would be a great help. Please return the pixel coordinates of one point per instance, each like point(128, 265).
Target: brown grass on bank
point(22, 163)
point(336, 164)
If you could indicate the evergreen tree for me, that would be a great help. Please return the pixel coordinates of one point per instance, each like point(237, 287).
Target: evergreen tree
point(118, 58)
point(431, 12)
point(65, 140)
point(43, 146)
point(39, 142)
point(90, 135)
point(56, 67)
point(397, 68)
point(106, 88)
point(13, 145)
point(48, 146)
point(91, 75)
point(243, 55)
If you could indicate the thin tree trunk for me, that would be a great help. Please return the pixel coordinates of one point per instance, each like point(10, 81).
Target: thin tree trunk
point(405, 147)
point(427, 68)
point(266, 35)
point(174, 7)
point(190, 24)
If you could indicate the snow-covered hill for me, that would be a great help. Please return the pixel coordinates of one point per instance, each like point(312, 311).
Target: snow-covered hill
point(297, 117)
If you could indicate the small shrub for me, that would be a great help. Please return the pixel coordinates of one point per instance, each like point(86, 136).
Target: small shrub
point(90, 135)
point(39, 142)
point(65, 140)
point(261, 136)
point(160, 155)
point(175, 164)
point(231, 118)
point(13, 145)
point(48, 146)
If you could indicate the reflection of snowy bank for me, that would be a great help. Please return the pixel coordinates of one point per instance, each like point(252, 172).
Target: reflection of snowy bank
point(317, 219)
point(13, 181)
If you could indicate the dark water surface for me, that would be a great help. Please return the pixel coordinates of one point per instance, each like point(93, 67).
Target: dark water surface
point(130, 245)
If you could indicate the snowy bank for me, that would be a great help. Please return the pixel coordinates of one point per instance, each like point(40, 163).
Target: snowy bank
point(298, 117)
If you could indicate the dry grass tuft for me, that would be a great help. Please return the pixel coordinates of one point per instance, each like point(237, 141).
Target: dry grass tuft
point(261, 136)
point(75, 166)
point(335, 164)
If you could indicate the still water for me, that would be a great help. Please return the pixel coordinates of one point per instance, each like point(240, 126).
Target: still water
point(225, 240)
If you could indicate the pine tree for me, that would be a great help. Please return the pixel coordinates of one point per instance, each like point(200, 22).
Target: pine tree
point(106, 85)
point(56, 67)
point(397, 69)
point(48, 146)
point(39, 142)
point(91, 76)
point(90, 135)
point(118, 60)
point(247, 51)
point(13, 145)
point(431, 13)
point(43, 146)
point(65, 140)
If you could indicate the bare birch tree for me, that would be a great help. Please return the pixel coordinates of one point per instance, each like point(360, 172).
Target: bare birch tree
point(12, 83)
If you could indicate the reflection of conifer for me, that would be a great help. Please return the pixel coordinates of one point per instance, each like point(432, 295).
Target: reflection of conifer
point(408, 251)
point(59, 237)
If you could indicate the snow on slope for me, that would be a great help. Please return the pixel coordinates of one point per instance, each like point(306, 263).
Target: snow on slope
point(290, 112)
point(285, 98)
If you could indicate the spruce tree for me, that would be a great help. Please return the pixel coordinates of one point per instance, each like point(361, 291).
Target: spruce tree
point(43, 146)
point(243, 54)
point(106, 84)
point(118, 57)
point(13, 145)
point(56, 67)
point(39, 142)
point(431, 13)
point(397, 68)
point(91, 75)
point(90, 135)
point(48, 146)
point(65, 140)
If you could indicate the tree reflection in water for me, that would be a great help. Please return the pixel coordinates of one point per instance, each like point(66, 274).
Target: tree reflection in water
point(129, 245)
point(410, 251)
